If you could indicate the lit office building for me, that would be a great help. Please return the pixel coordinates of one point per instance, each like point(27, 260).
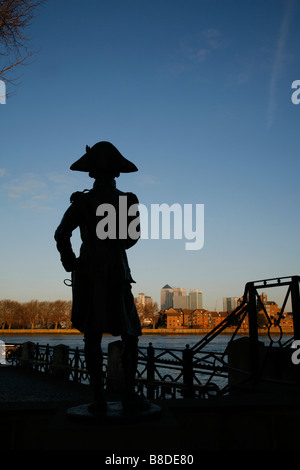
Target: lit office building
point(195, 299)
point(180, 301)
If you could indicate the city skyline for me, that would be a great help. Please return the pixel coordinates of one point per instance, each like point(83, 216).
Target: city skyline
point(177, 297)
point(198, 95)
point(195, 299)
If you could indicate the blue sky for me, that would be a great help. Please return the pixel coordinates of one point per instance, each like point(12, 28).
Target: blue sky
point(198, 95)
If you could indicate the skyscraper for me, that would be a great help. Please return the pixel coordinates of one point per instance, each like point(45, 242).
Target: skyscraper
point(166, 297)
point(141, 298)
point(195, 298)
point(180, 301)
point(179, 290)
point(176, 297)
point(144, 299)
point(229, 303)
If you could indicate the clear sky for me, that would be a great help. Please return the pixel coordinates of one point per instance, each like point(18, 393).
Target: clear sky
point(198, 95)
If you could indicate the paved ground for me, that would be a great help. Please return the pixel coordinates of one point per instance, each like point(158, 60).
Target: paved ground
point(19, 387)
point(33, 412)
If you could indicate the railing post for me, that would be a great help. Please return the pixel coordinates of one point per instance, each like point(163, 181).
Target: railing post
point(187, 370)
point(150, 372)
point(27, 354)
point(60, 360)
point(253, 333)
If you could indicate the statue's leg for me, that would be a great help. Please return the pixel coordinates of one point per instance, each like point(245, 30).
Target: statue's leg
point(94, 360)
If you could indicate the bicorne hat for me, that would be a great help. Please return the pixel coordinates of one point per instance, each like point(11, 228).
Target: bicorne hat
point(103, 156)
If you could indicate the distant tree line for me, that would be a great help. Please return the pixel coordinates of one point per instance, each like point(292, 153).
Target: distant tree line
point(57, 314)
point(35, 314)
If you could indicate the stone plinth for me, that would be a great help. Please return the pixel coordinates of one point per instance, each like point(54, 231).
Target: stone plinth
point(113, 415)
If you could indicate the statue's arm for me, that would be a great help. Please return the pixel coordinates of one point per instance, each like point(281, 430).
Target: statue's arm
point(62, 236)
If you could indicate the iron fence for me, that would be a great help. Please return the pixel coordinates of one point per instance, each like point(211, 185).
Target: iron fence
point(197, 371)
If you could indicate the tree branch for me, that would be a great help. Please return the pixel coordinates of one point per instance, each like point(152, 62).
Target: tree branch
point(15, 17)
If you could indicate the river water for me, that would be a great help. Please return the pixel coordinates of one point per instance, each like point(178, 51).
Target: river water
point(218, 344)
point(73, 341)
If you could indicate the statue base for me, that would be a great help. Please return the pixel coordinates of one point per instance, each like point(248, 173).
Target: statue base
point(113, 415)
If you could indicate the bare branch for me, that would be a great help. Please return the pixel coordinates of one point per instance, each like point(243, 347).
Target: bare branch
point(15, 18)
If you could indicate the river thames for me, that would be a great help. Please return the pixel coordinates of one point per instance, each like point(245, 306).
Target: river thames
point(218, 344)
point(159, 341)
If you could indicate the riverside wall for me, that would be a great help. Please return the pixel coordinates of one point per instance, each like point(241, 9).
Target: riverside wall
point(148, 331)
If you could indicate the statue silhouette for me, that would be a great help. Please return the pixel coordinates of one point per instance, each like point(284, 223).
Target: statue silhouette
point(101, 278)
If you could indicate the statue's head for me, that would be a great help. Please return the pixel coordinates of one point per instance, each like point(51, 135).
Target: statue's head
point(103, 158)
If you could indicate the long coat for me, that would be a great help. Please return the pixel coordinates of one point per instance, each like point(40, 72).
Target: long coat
point(101, 278)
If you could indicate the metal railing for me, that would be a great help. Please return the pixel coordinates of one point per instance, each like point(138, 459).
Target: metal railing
point(162, 372)
point(197, 371)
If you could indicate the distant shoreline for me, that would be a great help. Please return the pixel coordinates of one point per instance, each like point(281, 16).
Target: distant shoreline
point(145, 331)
